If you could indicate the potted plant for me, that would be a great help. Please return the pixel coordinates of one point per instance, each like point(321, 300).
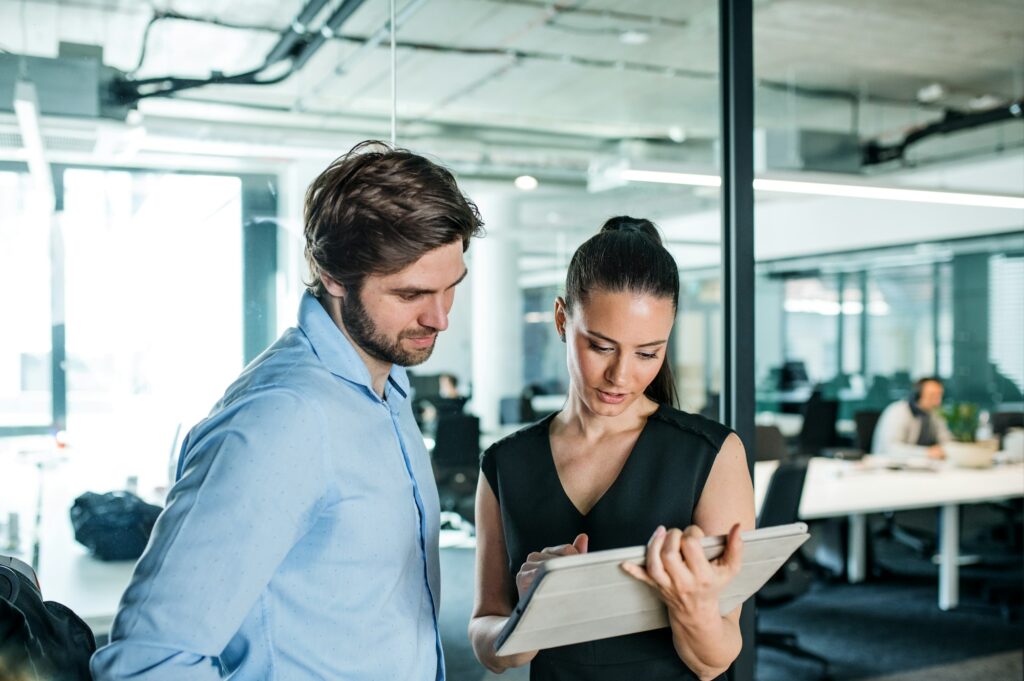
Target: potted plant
point(962, 419)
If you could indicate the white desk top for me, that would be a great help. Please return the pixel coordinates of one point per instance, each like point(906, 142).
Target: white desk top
point(837, 488)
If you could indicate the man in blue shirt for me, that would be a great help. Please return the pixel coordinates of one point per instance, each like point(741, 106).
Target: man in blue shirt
point(301, 538)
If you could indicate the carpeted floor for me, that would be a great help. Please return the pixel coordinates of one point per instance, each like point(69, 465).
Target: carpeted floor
point(999, 667)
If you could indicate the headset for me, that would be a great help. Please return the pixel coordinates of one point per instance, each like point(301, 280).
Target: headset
point(915, 396)
point(11, 572)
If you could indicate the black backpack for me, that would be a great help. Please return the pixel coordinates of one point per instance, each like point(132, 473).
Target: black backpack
point(39, 640)
point(113, 526)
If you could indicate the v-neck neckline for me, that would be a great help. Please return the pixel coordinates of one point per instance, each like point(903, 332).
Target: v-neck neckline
point(558, 479)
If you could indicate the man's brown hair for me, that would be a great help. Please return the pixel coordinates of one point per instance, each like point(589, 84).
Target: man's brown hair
point(377, 210)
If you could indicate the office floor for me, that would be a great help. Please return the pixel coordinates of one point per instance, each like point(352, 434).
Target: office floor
point(885, 629)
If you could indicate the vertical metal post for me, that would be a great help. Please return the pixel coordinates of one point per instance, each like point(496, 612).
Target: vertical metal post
point(259, 263)
point(936, 307)
point(864, 325)
point(840, 323)
point(58, 339)
point(736, 63)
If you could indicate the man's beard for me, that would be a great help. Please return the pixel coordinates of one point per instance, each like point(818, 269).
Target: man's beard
point(364, 333)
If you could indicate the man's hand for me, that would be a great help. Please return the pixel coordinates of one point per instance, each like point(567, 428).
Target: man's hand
point(935, 452)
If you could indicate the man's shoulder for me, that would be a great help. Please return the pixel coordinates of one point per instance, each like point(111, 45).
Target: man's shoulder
point(899, 407)
point(289, 364)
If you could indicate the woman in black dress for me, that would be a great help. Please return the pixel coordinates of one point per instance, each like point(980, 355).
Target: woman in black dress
point(614, 468)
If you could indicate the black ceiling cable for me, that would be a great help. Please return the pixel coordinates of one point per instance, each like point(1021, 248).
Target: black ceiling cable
point(534, 55)
point(874, 152)
point(297, 44)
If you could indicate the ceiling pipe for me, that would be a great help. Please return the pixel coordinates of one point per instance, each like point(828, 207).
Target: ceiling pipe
point(330, 28)
point(874, 152)
point(293, 44)
point(295, 33)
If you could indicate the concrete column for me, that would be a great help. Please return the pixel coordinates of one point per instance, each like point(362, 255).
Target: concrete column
point(497, 306)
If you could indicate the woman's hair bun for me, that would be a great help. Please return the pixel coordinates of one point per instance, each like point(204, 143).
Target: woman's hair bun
point(624, 223)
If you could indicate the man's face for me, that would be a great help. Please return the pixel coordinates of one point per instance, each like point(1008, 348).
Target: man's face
point(931, 396)
point(395, 318)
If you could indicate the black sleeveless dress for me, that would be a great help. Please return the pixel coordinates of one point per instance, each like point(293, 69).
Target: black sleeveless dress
point(660, 484)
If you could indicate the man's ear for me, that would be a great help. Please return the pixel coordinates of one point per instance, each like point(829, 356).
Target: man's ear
point(332, 286)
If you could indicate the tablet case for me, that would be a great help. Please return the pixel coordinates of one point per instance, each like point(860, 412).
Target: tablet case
point(589, 597)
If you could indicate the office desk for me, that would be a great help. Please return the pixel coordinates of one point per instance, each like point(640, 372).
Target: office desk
point(67, 573)
point(842, 488)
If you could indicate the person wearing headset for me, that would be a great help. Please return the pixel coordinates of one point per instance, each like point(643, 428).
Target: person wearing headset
point(914, 427)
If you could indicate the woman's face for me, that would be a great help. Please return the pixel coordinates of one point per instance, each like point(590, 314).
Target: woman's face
point(616, 343)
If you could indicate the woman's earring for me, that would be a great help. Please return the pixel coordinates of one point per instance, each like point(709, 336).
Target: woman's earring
point(562, 336)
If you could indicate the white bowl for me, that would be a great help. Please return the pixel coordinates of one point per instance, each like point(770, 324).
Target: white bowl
point(971, 454)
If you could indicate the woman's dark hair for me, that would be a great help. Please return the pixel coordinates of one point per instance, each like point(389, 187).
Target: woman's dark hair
point(627, 255)
point(376, 210)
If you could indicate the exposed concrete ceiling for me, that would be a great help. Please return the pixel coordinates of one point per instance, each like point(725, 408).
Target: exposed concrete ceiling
point(502, 87)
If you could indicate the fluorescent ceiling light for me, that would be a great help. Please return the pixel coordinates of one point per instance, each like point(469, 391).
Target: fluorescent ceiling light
point(666, 177)
point(856, 191)
point(26, 110)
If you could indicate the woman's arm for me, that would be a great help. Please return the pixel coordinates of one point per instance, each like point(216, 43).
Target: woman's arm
point(493, 599)
point(688, 583)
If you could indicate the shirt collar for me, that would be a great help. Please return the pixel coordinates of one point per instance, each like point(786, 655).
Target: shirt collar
point(339, 356)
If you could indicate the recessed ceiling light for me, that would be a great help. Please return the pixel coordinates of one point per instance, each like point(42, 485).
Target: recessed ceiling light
point(634, 37)
point(931, 93)
point(527, 183)
point(677, 133)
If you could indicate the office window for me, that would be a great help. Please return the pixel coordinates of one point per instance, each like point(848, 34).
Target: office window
point(25, 339)
point(900, 325)
point(1006, 330)
point(952, 309)
point(154, 304)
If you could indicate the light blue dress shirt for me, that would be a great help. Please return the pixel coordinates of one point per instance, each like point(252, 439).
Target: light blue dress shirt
point(301, 538)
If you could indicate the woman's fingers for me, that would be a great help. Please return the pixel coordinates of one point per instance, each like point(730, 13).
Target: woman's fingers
point(672, 558)
point(638, 573)
point(655, 568)
point(732, 558)
point(698, 565)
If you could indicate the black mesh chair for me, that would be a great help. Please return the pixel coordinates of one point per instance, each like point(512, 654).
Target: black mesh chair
point(782, 506)
point(769, 444)
point(866, 422)
point(456, 461)
point(819, 429)
point(1003, 421)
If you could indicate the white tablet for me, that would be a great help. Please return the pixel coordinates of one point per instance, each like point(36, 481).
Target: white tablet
point(589, 597)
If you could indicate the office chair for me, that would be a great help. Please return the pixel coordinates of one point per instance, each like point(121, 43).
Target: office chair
point(782, 506)
point(866, 422)
point(769, 444)
point(1003, 421)
point(456, 461)
point(819, 429)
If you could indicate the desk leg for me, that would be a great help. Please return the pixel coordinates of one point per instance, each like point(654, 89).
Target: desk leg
point(949, 558)
point(856, 549)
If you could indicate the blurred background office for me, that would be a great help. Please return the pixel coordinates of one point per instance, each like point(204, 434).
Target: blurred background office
point(154, 156)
